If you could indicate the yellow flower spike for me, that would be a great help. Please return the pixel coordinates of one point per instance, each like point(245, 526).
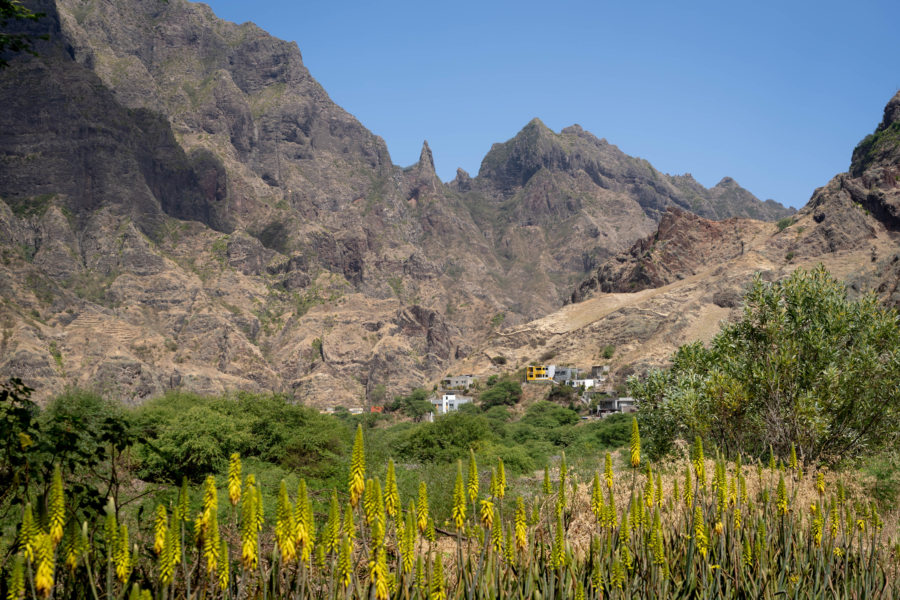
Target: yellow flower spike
point(110, 528)
point(122, 557)
point(617, 573)
point(305, 526)
point(72, 546)
point(497, 533)
point(349, 526)
point(160, 524)
point(818, 525)
point(422, 508)
point(368, 500)
point(648, 487)
point(688, 488)
point(737, 519)
point(211, 541)
point(391, 493)
point(608, 471)
point(501, 479)
point(378, 575)
point(597, 505)
point(781, 500)
point(223, 567)
point(345, 566)
point(720, 528)
point(487, 513)
point(658, 490)
point(472, 480)
point(521, 524)
point(168, 557)
point(260, 513)
point(249, 531)
point(56, 507)
point(699, 464)
point(438, 585)
point(234, 479)
point(28, 533)
point(547, 487)
point(793, 460)
point(700, 537)
point(459, 499)
point(747, 553)
point(43, 577)
point(15, 584)
point(357, 468)
point(510, 546)
point(378, 516)
point(287, 532)
point(332, 535)
point(408, 539)
point(210, 501)
point(635, 445)
point(820, 483)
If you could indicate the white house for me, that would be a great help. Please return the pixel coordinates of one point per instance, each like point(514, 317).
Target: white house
point(576, 383)
point(448, 403)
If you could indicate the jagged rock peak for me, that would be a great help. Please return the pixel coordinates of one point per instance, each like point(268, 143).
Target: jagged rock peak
point(426, 159)
point(891, 112)
point(462, 181)
point(727, 182)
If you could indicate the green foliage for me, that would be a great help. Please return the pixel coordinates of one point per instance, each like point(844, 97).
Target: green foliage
point(78, 431)
point(193, 436)
point(608, 351)
point(498, 319)
point(502, 392)
point(415, 405)
point(804, 365)
point(784, 223)
point(562, 393)
point(447, 439)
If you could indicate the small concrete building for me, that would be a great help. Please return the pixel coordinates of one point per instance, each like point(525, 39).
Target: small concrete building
point(563, 374)
point(577, 383)
point(457, 382)
point(624, 404)
point(448, 403)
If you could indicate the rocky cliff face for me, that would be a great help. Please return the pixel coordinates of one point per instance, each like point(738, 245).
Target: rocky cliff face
point(681, 282)
point(182, 205)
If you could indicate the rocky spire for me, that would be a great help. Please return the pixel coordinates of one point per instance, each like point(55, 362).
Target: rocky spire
point(426, 160)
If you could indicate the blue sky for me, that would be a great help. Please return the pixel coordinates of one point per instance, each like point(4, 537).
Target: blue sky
point(774, 94)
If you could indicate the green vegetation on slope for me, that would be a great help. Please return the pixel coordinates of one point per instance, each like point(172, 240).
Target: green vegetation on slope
point(804, 367)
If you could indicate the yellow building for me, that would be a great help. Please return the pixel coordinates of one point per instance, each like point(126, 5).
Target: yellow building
point(538, 373)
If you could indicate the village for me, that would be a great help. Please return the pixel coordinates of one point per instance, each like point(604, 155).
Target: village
point(589, 387)
point(453, 390)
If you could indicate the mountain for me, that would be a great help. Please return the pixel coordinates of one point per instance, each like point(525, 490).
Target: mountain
point(183, 206)
point(678, 284)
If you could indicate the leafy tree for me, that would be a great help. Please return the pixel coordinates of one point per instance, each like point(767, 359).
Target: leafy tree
point(415, 405)
point(503, 392)
point(86, 436)
point(805, 365)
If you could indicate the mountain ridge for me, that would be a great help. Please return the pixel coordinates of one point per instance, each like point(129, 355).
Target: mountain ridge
point(211, 220)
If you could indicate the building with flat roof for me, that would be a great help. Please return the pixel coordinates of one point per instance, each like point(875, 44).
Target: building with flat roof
point(457, 382)
point(540, 372)
point(448, 403)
